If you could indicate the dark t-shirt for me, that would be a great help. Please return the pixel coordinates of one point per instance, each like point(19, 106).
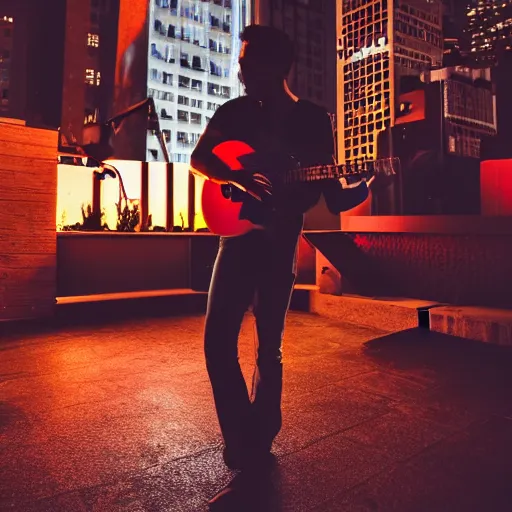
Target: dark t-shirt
point(304, 133)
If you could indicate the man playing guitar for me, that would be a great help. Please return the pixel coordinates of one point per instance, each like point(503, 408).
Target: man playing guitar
point(258, 267)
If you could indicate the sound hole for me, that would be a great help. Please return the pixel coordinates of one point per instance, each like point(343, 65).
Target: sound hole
point(227, 191)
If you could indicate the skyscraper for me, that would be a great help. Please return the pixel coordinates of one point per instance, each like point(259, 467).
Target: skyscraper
point(311, 26)
point(192, 67)
point(6, 39)
point(379, 43)
point(489, 26)
point(89, 64)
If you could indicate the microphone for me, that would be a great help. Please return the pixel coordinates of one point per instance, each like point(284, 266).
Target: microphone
point(101, 175)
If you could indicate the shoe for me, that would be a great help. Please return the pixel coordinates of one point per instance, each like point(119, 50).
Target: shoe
point(247, 492)
point(231, 498)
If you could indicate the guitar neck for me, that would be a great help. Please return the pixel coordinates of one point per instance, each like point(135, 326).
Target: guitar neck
point(329, 172)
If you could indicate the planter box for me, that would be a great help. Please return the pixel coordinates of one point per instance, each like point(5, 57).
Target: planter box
point(112, 262)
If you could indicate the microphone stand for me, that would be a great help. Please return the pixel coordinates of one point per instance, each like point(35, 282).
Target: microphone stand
point(153, 122)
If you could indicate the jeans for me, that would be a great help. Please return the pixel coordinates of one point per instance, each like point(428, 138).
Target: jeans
point(257, 268)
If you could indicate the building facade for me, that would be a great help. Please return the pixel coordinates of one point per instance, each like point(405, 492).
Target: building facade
point(488, 29)
point(310, 25)
point(89, 64)
point(469, 108)
point(6, 43)
point(192, 67)
point(379, 42)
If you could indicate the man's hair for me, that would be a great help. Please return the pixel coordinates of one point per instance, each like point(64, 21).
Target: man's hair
point(271, 43)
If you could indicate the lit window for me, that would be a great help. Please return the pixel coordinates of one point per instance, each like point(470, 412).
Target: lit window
point(93, 40)
point(90, 76)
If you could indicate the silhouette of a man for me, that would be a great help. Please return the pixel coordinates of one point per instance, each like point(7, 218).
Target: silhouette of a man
point(258, 268)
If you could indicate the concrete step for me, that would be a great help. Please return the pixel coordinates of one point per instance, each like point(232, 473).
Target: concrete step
point(107, 306)
point(301, 297)
point(475, 323)
point(389, 314)
point(149, 303)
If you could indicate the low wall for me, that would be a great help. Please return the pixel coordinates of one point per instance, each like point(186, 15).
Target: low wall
point(111, 262)
point(455, 260)
point(95, 263)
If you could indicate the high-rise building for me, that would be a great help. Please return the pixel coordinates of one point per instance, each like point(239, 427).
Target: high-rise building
point(438, 134)
point(192, 67)
point(469, 108)
point(89, 64)
point(380, 42)
point(6, 40)
point(310, 25)
point(488, 28)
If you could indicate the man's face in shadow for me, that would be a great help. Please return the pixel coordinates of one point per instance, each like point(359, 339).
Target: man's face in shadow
point(259, 73)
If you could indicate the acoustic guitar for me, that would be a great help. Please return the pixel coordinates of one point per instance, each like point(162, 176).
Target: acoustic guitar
point(222, 204)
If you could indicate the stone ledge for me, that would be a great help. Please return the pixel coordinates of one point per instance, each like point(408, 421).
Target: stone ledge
point(489, 325)
point(388, 314)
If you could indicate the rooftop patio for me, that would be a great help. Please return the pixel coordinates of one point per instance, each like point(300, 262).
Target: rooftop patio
point(119, 417)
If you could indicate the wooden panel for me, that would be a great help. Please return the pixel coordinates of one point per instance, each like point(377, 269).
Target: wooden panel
point(19, 134)
point(27, 166)
point(28, 196)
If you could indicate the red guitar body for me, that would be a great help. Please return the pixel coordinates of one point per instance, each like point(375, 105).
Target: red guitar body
point(222, 216)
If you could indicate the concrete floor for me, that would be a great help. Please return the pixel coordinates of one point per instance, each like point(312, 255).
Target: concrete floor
point(120, 417)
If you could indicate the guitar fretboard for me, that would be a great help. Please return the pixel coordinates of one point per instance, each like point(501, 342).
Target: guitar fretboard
point(388, 166)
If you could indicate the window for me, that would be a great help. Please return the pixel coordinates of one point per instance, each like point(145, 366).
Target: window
point(214, 89)
point(215, 69)
point(183, 100)
point(197, 85)
point(180, 157)
point(183, 116)
point(93, 40)
point(196, 63)
point(184, 63)
point(165, 115)
point(169, 53)
point(184, 81)
point(196, 103)
point(183, 137)
point(92, 77)
point(167, 78)
point(167, 135)
point(195, 118)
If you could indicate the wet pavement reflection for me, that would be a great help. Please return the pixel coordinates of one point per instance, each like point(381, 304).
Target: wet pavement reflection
point(120, 417)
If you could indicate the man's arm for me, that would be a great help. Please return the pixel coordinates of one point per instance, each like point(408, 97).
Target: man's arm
point(206, 164)
point(338, 196)
point(203, 161)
